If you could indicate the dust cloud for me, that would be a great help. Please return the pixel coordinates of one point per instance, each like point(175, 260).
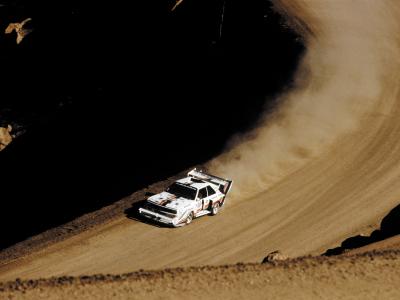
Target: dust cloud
point(352, 49)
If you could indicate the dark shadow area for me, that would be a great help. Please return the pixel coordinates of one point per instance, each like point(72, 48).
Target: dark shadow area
point(390, 226)
point(110, 98)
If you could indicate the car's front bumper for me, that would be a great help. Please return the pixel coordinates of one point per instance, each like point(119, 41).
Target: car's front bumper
point(158, 217)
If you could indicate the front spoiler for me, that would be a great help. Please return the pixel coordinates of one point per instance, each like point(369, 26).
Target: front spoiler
point(160, 218)
point(155, 216)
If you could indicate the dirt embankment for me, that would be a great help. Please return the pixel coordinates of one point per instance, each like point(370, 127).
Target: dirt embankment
point(386, 236)
point(372, 275)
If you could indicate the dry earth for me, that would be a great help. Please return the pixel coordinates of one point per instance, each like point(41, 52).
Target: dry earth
point(365, 276)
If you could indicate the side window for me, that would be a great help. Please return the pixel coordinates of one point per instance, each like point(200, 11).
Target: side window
point(210, 190)
point(203, 193)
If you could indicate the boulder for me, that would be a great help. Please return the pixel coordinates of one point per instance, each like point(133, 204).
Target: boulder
point(274, 256)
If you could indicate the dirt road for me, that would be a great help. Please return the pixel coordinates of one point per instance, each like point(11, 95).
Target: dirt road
point(348, 189)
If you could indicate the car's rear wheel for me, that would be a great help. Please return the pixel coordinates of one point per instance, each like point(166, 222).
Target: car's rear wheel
point(189, 218)
point(215, 209)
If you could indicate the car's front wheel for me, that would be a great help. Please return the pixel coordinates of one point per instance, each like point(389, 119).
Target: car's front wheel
point(215, 209)
point(189, 218)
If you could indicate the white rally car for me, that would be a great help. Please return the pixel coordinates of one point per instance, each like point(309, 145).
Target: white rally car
point(194, 196)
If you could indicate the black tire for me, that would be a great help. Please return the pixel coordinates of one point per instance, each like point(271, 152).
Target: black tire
point(215, 209)
point(189, 219)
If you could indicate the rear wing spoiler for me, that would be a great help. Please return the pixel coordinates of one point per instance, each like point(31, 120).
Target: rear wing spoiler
point(224, 185)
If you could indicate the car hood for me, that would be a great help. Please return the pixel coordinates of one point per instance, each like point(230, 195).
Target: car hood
point(171, 201)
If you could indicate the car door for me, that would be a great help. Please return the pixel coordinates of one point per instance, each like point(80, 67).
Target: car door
point(210, 196)
point(202, 198)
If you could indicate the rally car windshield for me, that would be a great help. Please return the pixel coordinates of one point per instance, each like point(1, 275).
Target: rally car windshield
point(183, 191)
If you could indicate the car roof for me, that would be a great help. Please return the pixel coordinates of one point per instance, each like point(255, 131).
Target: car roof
point(192, 182)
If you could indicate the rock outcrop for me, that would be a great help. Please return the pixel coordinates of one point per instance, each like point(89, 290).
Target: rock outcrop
point(274, 256)
point(20, 29)
point(5, 136)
